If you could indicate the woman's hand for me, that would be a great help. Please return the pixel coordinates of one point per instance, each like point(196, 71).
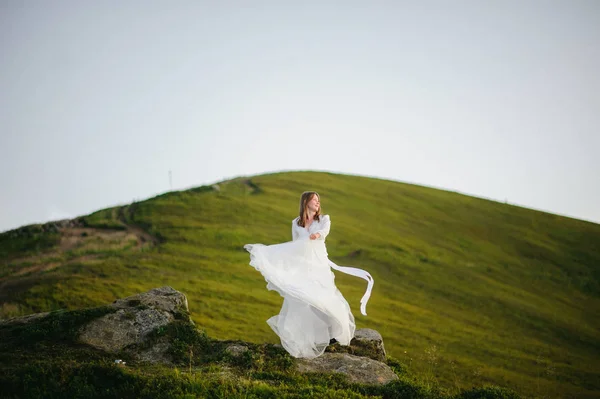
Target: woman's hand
point(315, 236)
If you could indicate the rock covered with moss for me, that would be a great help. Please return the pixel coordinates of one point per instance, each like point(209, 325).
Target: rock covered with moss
point(366, 343)
point(132, 324)
point(363, 361)
point(358, 369)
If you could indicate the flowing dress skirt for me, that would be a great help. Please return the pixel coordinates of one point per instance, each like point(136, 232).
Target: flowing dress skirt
point(314, 310)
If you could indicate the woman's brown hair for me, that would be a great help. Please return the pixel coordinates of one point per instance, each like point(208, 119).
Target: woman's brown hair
point(307, 196)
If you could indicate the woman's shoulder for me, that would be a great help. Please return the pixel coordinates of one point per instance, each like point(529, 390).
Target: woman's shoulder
point(325, 217)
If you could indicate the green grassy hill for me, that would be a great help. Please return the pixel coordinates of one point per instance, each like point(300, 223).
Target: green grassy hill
point(467, 291)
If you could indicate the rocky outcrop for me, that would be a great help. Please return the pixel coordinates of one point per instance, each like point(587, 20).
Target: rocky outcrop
point(358, 369)
point(125, 327)
point(164, 298)
point(369, 343)
point(131, 325)
point(363, 361)
point(137, 316)
point(366, 343)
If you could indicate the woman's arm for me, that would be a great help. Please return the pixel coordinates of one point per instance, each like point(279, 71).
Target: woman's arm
point(322, 233)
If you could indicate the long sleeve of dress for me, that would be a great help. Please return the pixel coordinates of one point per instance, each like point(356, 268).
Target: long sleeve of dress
point(294, 230)
point(325, 226)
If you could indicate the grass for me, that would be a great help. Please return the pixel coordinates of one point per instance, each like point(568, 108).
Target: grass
point(42, 359)
point(506, 295)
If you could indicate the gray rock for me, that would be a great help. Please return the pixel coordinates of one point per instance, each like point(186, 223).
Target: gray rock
point(368, 334)
point(358, 369)
point(163, 298)
point(125, 327)
point(368, 343)
point(157, 353)
point(130, 325)
point(136, 317)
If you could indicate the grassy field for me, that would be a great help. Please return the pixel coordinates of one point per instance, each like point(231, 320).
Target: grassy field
point(467, 291)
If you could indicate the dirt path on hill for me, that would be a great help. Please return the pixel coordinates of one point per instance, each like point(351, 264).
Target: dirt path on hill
point(125, 215)
point(78, 244)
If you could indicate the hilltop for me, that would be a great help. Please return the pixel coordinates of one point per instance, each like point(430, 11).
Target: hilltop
point(467, 291)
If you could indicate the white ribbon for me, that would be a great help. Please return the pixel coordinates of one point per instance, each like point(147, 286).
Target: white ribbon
point(353, 271)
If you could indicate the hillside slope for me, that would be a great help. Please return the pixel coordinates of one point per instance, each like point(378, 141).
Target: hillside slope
point(467, 291)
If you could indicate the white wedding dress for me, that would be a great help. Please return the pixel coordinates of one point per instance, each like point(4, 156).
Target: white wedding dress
point(314, 310)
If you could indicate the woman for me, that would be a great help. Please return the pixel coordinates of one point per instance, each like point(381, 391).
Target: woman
point(314, 312)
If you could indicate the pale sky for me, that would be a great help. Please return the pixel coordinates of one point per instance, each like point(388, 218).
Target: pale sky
point(99, 100)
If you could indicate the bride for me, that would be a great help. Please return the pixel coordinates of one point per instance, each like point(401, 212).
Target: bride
point(314, 312)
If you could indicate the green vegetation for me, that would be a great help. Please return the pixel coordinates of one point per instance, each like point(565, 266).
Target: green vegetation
point(42, 359)
point(468, 292)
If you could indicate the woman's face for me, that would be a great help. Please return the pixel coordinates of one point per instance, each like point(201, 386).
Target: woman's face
point(314, 204)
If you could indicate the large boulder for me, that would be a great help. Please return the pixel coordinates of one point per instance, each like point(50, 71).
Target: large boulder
point(128, 327)
point(163, 298)
point(358, 369)
point(125, 327)
point(362, 361)
point(137, 316)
